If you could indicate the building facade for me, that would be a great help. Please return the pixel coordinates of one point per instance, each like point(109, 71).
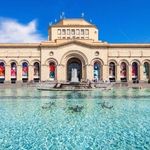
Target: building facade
point(74, 44)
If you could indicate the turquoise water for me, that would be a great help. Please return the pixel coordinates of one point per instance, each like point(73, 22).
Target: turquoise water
point(29, 122)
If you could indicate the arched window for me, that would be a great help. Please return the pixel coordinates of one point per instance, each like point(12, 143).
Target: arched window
point(2, 72)
point(36, 71)
point(24, 71)
point(13, 72)
point(112, 71)
point(146, 70)
point(97, 71)
point(123, 71)
point(52, 70)
point(134, 70)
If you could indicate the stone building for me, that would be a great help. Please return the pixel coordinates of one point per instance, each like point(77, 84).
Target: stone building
point(74, 44)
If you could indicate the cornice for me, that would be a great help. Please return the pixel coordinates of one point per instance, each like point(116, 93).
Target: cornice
point(19, 45)
point(89, 43)
point(130, 45)
point(86, 43)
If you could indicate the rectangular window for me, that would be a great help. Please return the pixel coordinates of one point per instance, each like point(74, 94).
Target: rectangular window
point(87, 31)
point(59, 31)
point(77, 31)
point(82, 31)
point(68, 32)
point(73, 32)
point(63, 31)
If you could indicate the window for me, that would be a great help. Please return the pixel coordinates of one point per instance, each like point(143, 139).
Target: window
point(87, 31)
point(68, 32)
point(58, 31)
point(63, 31)
point(82, 31)
point(77, 31)
point(73, 32)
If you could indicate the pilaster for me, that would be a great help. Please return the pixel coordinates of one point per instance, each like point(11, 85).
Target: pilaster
point(130, 73)
point(89, 72)
point(60, 73)
point(105, 73)
point(30, 73)
point(7, 73)
point(19, 73)
point(141, 74)
point(44, 73)
point(118, 72)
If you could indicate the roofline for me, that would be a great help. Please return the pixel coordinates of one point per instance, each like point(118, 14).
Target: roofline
point(86, 43)
point(19, 45)
point(91, 26)
point(129, 45)
point(55, 24)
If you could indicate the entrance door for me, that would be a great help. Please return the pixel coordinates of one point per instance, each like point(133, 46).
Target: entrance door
point(74, 63)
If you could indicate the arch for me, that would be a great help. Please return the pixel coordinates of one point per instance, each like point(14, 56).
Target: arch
point(135, 70)
point(52, 70)
point(123, 60)
point(1, 60)
point(114, 61)
point(25, 71)
point(13, 70)
point(146, 70)
point(74, 53)
point(13, 60)
point(112, 71)
point(35, 60)
point(78, 55)
point(98, 60)
point(135, 60)
point(145, 60)
point(2, 71)
point(97, 69)
point(74, 70)
point(24, 60)
point(123, 71)
point(36, 68)
point(51, 60)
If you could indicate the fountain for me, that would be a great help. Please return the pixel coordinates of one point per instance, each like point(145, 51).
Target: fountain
point(74, 77)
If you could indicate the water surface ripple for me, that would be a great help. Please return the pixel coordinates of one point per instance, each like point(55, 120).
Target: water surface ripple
point(40, 120)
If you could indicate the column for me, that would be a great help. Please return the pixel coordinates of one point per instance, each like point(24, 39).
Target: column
point(105, 73)
point(19, 73)
point(60, 73)
point(44, 72)
point(118, 73)
point(30, 73)
point(141, 74)
point(7, 73)
point(89, 72)
point(130, 73)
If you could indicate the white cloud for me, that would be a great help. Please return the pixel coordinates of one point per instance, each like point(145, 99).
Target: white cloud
point(12, 31)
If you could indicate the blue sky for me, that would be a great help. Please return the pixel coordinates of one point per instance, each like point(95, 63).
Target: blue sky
point(119, 21)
